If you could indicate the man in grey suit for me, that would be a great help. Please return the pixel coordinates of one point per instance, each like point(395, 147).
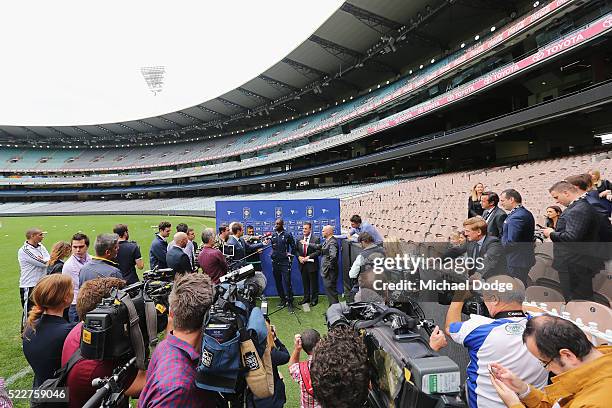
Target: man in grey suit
point(329, 264)
point(493, 215)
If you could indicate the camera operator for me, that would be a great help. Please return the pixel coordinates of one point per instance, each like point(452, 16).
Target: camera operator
point(364, 261)
point(221, 239)
point(172, 371)
point(85, 371)
point(497, 339)
point(103, 264)
point(281, 263)
point(176, 258)
point(211, 260)
point(339, 370)
point(584, 372)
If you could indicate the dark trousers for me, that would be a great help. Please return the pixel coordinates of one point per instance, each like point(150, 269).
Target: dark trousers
point(310, 282)
point(282, 275)
point(330, 282)
point(519, 273)
point(26, 304)
point(576, 282)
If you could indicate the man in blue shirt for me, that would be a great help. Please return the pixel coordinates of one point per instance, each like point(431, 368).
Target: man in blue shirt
point(159, 246)
point(358, 226)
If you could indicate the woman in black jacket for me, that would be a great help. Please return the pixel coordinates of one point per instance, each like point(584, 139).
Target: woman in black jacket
point(46, 328)
point(60, 251)
point(474, 207)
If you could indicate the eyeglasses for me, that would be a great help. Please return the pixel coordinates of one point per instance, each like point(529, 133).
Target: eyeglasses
point(545, 364)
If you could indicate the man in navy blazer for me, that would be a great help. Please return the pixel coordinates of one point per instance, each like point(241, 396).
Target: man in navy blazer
point(159, 246)
point(517, 235)
point(241, 246)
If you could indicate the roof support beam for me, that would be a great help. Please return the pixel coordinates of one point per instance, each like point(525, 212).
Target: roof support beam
point(231, 104)
point(304, 69)
point(376, 22)
point(278, 85)
point(254, 95)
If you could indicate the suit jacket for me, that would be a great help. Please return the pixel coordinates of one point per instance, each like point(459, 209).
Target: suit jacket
point(241, 247)
point(157, 253)
point(517, 238)
point(178, 260)
point(313, 250)
point(329, 257)
point(495, 221)
point(491, 252)
point(575, 237)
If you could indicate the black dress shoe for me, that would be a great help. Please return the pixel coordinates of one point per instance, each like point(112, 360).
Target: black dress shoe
point(304, 301)
point(313, 303)
point(283, 303)
point(290, 307)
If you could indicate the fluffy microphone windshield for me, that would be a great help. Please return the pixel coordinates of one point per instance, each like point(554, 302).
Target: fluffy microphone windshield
point(259, 281)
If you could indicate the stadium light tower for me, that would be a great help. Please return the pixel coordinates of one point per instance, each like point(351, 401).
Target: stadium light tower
point(154, 77)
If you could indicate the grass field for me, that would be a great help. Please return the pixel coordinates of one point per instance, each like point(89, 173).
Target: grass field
point(142, 228)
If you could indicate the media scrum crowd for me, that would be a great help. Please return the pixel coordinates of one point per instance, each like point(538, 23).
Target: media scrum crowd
point(512, 354)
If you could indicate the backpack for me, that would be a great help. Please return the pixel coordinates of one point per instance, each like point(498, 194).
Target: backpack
point(56, 386)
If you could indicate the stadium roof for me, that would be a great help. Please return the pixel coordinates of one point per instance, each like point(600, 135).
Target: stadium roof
point(363, 43)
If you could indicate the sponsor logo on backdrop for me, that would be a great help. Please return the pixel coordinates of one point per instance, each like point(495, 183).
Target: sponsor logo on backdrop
point(246, 213)
point(278, 212)
point(310, 212)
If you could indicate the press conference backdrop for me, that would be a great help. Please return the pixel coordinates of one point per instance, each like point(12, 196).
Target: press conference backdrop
point(261, 214)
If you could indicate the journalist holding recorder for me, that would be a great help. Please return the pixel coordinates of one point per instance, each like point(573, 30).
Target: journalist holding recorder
point(496, 339)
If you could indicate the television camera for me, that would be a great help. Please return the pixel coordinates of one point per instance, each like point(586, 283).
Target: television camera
point(122, 327)
point(405, 372)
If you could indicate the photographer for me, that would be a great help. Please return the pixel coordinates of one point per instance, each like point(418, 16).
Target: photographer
point(211, 260)
point(364, 261)
point(496, 339)
point(221, 239)
point(339, 370)
point(279, 356)
point(172, 371)
point(85, 371)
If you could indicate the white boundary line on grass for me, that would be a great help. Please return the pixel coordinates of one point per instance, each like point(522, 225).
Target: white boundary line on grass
point(22, 373)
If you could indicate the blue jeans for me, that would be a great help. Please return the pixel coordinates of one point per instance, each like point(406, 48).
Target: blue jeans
point(72, 314)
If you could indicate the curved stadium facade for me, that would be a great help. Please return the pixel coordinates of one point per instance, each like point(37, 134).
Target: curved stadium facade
point(512, 95)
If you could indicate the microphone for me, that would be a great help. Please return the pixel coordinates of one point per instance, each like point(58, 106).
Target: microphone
point(257, 283)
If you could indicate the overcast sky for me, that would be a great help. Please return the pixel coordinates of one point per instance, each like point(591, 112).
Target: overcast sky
point(69, 62)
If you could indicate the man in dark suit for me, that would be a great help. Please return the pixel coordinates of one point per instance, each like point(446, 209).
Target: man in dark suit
point(307, 250)
point(493, 215)
point(159, 246)
point(584, 185)
point(517, 235)
point(176, 258)
point(486, 251)
point(574, 239)
point(329, 264)
point(241, 246)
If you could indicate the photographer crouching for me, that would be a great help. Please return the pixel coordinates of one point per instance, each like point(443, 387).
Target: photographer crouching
point(172, 371)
